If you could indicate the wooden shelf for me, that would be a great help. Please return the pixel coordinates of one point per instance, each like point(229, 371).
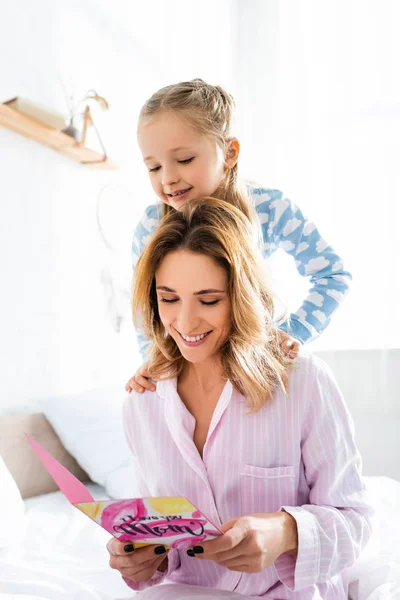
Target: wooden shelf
point(52, 138)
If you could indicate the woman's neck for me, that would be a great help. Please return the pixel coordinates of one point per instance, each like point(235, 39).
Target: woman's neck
point(199, 387)
point(205, 376)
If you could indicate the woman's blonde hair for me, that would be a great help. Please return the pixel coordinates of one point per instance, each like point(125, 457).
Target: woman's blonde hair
point(251, 357)
point(209, 109)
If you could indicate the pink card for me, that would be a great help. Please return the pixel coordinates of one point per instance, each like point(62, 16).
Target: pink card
point(172, 522)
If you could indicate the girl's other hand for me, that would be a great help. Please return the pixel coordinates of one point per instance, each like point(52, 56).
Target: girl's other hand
point(141, 380)
point(289, 345)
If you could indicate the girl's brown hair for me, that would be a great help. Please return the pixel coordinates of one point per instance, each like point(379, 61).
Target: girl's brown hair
point(251, 357)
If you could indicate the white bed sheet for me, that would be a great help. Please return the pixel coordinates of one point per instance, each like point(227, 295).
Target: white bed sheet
point(376, 573)
point(63, 554)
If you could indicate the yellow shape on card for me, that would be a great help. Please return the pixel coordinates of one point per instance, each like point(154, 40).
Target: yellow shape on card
point(171, 506)
point(92, 509)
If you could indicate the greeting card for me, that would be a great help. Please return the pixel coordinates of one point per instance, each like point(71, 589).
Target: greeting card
point(171, 522)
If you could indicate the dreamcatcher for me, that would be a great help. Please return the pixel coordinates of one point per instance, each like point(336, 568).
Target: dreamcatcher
point(116, 218)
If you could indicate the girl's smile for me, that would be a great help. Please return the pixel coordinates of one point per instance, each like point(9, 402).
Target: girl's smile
point(180, 195)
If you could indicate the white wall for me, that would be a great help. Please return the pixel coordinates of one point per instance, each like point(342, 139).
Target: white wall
point(55, 336)
point(322, 81)
point(370, 381)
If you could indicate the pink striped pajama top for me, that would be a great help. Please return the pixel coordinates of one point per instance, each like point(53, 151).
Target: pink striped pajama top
point(296, 453)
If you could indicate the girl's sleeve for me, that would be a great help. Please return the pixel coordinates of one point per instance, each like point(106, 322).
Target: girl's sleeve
point(336, 523)
point(284, 226)
point(143, 232)
point(143, 492)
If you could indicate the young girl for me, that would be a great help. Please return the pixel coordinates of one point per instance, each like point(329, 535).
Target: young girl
point(261, 444)
point(185, 137)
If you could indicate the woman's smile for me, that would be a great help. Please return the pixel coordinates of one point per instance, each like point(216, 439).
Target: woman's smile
point(195, 340)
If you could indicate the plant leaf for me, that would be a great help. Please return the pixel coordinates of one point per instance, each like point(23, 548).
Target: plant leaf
point(93, 95)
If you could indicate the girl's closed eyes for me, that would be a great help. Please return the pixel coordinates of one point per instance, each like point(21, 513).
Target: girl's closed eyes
point(186, 161)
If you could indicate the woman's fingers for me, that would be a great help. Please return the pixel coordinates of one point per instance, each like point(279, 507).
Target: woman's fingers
point(145, 572)
point(137, 564)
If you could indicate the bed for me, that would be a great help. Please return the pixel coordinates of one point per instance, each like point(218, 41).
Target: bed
point(53, 551)
point(62, 554)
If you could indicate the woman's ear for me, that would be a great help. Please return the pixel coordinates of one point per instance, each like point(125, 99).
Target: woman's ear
point(232, 153)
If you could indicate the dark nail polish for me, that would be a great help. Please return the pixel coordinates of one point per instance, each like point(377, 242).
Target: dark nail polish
point(198, 549)
point(190, 552)
point(159, 550)
point(129, 548)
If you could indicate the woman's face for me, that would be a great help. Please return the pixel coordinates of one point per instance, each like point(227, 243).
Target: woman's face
point(182, 164)
point(193, 303)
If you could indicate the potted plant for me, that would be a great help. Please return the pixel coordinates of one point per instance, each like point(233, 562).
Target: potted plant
point(79, 114)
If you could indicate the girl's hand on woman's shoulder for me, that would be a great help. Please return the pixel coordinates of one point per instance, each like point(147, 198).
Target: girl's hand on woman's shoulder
point(141, 380)
point(289, 345)
point(251, 544)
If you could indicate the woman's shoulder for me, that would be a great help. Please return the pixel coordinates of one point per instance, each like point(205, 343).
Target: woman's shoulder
point(312, 382)
point(136, 403)
point(148, 400)
point(308, 367)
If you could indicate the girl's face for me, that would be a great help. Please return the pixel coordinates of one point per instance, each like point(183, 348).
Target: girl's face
point(182, 164)
point(193, 303)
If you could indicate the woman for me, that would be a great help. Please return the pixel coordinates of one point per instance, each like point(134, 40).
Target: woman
point(261, 444)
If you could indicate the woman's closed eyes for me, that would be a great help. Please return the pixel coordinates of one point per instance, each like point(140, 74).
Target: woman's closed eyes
point(171, 301)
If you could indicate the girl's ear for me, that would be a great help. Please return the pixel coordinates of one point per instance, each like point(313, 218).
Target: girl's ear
point(232, 153)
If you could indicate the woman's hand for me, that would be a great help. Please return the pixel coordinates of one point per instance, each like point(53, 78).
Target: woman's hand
point(251, 544)
point(140, 381)
point(138, 565)
point(289, 345)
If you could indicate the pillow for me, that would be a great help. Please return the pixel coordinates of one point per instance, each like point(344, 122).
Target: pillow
point(12, 509)
point(28, 472)
point(90, 427)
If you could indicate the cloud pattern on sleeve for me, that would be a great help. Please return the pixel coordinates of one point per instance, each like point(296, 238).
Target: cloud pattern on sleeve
point(284, 226)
